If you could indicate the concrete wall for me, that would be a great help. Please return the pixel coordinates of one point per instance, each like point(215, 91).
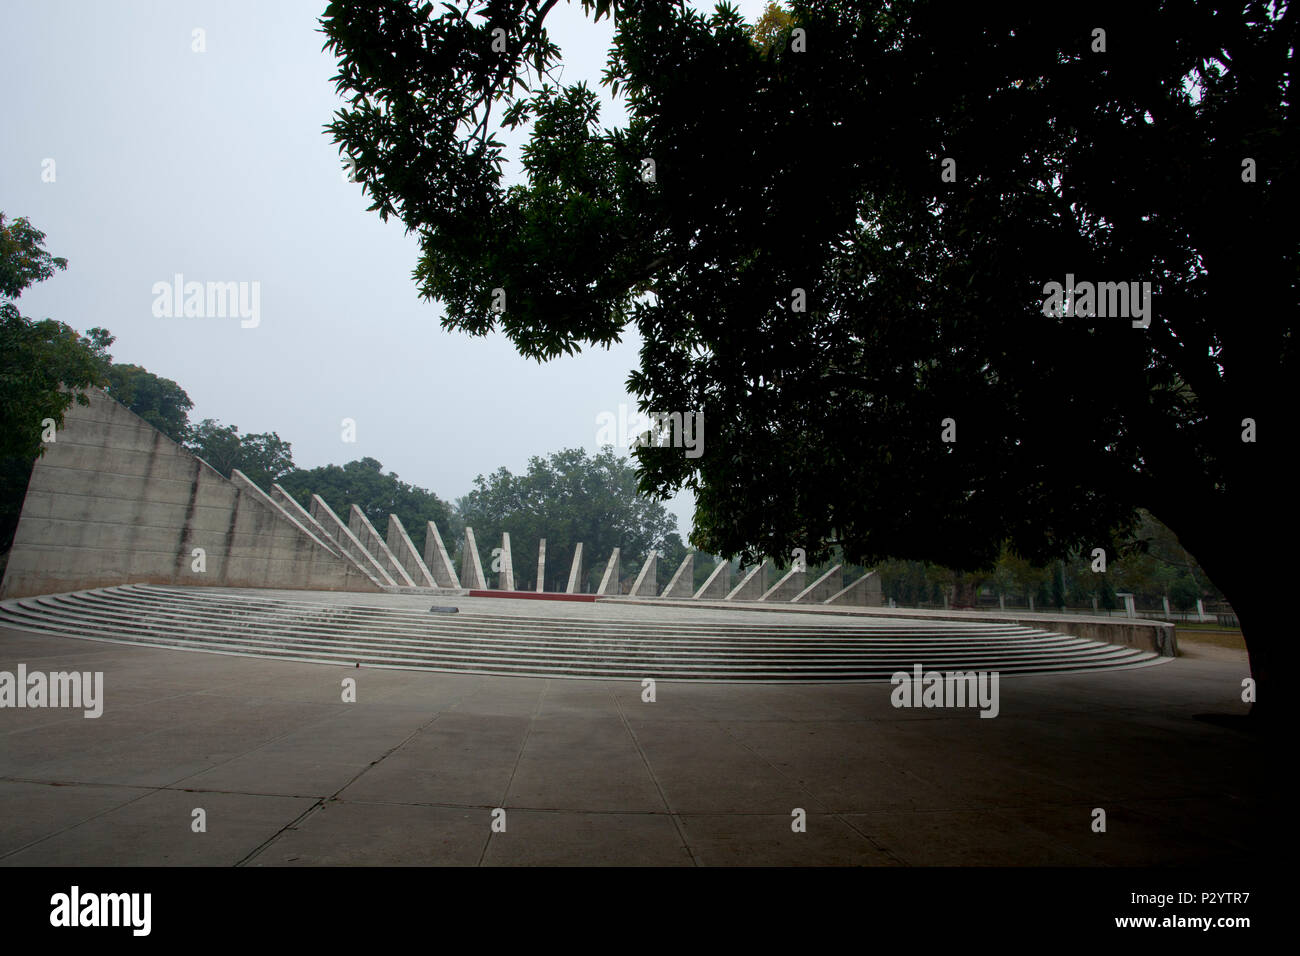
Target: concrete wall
point(114, 501)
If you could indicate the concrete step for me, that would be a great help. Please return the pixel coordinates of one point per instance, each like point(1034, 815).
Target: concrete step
point(632, 657)
point(213, 621)
point(433, 627)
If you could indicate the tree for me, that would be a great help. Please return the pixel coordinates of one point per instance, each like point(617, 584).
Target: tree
point(772, 27)
point(159, 401)
point(24, 260)
point(44, 367)
point(849, 252)
point(566, 498)
point(378, 495)
point(263, 458)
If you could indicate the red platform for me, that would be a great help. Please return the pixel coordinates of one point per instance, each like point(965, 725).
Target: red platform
point(534, 595)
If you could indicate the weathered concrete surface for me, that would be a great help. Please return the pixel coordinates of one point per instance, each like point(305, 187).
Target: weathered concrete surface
point(646, 583)
point(609, 580)
point(400, 544)
point(682, 583)
point(825, 586)
point(717, 584)
point(370, 539)
point(246, 484)
point(471, 565)
point(114, 501)
point(437, 560)
point(789, 585)
point(541, 565)
point(1156, 636)
point(590, 774)
point(342, 536)
point(865, 592)
point(506, 577)
point(288, 504)
point(752, 585)
point(575, 571)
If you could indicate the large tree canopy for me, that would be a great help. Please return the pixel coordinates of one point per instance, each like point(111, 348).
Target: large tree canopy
point(364, 484)
point(44, 366)
point(159, 401)
point(835, 243)
point(566, 498)
point(263, 458)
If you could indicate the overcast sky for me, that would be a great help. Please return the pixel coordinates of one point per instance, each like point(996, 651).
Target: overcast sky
point(214, 166)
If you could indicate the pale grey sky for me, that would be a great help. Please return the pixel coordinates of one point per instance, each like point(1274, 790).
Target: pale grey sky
point(214, 165)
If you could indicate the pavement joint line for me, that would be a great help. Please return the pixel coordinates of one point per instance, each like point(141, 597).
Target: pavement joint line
point(152, 788)
point(334, 798)
point(677, 823)
point(72, 826)
point(1132, 803)
point(291, 825)
point(523, 744)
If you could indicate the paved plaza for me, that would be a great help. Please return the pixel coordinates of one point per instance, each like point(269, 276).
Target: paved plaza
point(588, 773)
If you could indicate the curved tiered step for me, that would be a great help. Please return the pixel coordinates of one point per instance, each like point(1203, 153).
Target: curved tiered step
point(221, 622)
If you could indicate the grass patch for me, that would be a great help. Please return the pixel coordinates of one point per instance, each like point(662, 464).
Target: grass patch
point(1220, 638)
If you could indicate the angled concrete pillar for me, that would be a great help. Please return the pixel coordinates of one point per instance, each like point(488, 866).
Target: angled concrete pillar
point(865, 591)
point(437, 560)
point(715, 588)
point(790, 584)
point(646, 583)
point(506, 576)
point(752, 585)
point(289, 506)
point(609, 582)
point(471, 565)
point(682, 582)
point(241, 480)
point(829, 583)
point(399, 542)
point(541, 565)
point(360, 525)
point(575, 571)
point(342, 535)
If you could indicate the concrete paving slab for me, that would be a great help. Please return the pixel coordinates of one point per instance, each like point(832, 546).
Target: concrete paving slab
point(591, 774)
point(769, 840)
point(962, 838)
point(370, 834)
point(536, 838)
point(157, 830)
point(583, 763)
point(32, 811)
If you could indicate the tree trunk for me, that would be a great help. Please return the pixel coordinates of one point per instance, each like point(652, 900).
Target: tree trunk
point(1256, 585)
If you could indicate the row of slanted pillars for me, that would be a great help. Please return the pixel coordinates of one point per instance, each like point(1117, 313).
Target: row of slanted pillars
point(392, 561)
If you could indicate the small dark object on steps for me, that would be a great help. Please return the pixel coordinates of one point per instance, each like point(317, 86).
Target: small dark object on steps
point(444, 610)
